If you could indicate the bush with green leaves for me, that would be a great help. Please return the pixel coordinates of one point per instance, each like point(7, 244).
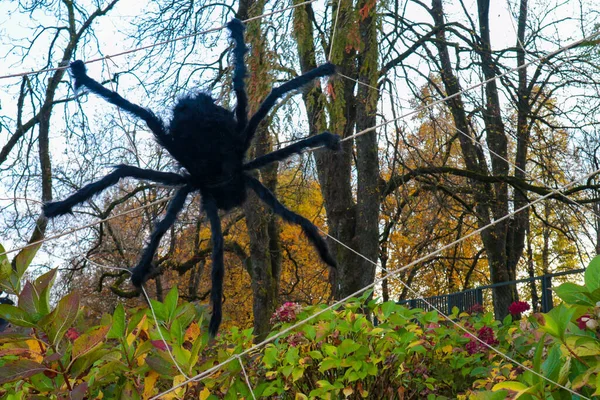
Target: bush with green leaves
point(52, 353)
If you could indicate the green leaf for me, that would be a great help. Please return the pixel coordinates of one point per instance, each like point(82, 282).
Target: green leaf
point(177, 332)
point(185, 314)
point(388, 308)
point(557, 320)
point(292, 355)
point(43, 285)
point(159, 310)
point(565, 370)
point(19, 369)
point(29, 299)
point(88, 341)
point(573, 294)
point(25, 256)
point(309, 332)
point(16, 316)
point(171, 303)
point(583, 346)
point(62, 318)
point(271, 356)
point(347, 347)
point(329, 363)
point(161, 365)
point(5, 267)
point(42, 383)
point(499, 395)
point(551, 367)
point(297, 373)
point(510, 385)
point(592, 274)
point(117, 330)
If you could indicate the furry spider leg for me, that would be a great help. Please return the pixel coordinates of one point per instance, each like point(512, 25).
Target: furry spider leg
point(276, 93)
point(218, 269)
point(236, 27)
point(326, 139)
point(57, 208)
point(309, 229)
point(155, 124)
point(141, 272)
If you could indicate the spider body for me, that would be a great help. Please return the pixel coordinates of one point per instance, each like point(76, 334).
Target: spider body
point(210, 143)
point(212, 153)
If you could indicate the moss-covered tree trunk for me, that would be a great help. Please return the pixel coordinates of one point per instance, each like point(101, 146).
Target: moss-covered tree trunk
point(262, 225)
point(352, 217)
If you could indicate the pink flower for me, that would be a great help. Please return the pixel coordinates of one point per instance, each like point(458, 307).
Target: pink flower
point(518, 307)
point(486, 335)
point(72, 334)
point(296, 339)
point(475, 309)
point(587, 322)
point(286, 313)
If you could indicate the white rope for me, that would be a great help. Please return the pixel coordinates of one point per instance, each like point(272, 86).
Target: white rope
point(246, 376)
point(373, 284)
point(156, 322)
point(91, 224)
point(480, 84)
point(19, 74)
point(337, 16)
point(13, 199)
point(160, 333)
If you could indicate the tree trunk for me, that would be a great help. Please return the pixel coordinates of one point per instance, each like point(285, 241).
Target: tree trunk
point(262, 225)
point(355, 223)
point(492, 199)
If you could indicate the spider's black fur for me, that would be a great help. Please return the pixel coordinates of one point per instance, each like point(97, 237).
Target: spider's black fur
point(210, 142)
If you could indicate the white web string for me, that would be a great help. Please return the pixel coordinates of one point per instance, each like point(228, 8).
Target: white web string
point(371, 129)
point(378, 281)
point(19, 74)
point(337, 16)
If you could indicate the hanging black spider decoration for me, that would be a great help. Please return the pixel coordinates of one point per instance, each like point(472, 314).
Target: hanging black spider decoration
point(209, 142)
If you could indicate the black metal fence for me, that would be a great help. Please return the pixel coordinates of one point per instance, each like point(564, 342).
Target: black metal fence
point(466, 299)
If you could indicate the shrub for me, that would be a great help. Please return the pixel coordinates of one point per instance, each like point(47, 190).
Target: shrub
point(337, 354)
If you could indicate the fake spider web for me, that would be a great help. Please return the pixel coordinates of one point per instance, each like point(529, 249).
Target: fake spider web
point(386, 274)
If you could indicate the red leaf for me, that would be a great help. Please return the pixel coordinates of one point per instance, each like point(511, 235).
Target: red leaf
point(19, 369)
